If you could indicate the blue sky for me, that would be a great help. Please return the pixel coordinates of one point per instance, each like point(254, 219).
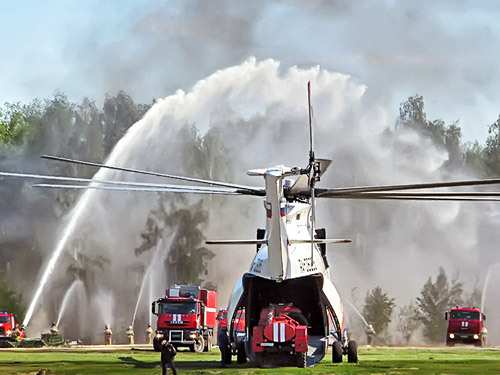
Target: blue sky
point(447, 51)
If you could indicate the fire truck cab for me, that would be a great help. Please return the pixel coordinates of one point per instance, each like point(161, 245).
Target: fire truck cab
point(9, 328)
point(186, 317)
point(466, 325)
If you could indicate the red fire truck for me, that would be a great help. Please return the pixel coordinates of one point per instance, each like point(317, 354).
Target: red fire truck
point(9, 328)
point(282, 331)
point(465, 325)
point(186, 317)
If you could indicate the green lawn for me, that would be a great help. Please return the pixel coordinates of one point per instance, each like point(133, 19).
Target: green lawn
point(127, 361)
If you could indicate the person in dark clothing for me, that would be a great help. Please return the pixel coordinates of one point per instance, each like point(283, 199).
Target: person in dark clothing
point(223, 346)
point(168, 353)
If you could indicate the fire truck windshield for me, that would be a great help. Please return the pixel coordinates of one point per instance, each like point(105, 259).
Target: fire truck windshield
point(178, 308)
point(469, 315)
point(4, 319)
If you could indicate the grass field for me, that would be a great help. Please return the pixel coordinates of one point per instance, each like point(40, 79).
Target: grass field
point(130, 361)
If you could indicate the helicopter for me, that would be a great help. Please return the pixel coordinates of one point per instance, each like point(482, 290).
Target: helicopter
point(287, 286)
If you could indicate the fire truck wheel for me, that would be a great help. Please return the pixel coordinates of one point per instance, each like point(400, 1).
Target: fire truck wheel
point(337, 352)
point(352, 352)
point(302, 359)
point(259, 359)
point(208, 346)
point(481, 342)
point(199, 345)
point(241, 354)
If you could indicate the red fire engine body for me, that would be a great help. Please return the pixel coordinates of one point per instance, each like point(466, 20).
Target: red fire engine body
point(466, 325)
point(9, 328)
point(282, 329)
point(186, 317)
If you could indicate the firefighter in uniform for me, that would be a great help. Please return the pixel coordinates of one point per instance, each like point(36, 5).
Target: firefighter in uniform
point(370, 332)
point(53, 329)
point(130, 335)
point(18, 332)
point(168, 353)
point(149, 334)
point(223, 346)
point(108, 335)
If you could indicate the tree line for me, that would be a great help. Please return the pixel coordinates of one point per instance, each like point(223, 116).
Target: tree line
point(84, 131)
point(425, 312)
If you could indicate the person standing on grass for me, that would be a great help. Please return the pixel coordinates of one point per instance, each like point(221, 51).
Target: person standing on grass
point(168, 353)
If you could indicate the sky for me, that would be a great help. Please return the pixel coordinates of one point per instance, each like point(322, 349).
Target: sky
point(447, 51)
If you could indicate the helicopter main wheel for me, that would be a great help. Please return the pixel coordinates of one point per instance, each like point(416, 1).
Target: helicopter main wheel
point(241, 354)
point(199, 345)
point(352, 352)
point(337, 352)
point(302, 359)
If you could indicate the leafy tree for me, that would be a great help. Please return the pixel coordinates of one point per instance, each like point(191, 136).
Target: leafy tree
point(11, 300)
point(436, 298)
point(412, 115)
point(187, 259)
point(492, 150)
point(408, 320)
point(119, 113)
point(475, 158)
point(14, 125)
point(378, 309)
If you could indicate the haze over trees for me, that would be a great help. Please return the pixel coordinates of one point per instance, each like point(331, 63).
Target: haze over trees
point(83, 131)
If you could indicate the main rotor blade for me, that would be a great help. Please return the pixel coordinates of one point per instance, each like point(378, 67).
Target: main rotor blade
point(321, 241)
point(420, 197)
point(328, 193)
point(140, 186)
point(236, 242)
point(144, 189)
point(256, 190)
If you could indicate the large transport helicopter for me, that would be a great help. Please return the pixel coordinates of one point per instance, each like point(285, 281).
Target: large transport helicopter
point(293, 312)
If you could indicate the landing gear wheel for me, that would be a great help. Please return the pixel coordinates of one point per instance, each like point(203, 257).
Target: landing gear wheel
point(336, 352)
point(199, 345)
point(302, 359)
point(241, 354)
point(352, 352)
